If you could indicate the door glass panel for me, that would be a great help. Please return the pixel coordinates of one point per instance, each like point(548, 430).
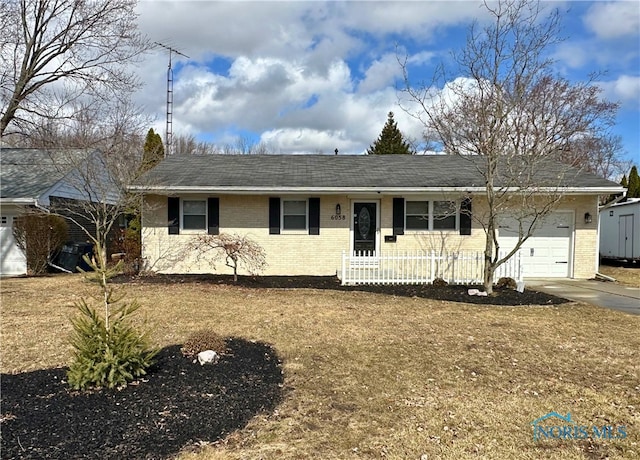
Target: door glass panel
point(364, 228)
point(364, 223)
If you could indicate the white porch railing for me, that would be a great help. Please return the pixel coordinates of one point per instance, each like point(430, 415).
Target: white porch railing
point(418, 267)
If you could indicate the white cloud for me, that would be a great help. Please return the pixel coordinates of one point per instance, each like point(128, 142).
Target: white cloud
point(573, 54)
point(625, 89)
point(380, 74)
point(307, 140)
point(614, 19)
point(308, 76)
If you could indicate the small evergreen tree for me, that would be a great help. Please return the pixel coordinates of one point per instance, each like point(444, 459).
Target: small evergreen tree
point(390, 140)
point(633, 184)
point(153, 151)
point(624, 182)
point(108, 351)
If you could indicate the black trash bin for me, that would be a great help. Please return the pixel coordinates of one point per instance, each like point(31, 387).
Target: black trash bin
point(70, 257)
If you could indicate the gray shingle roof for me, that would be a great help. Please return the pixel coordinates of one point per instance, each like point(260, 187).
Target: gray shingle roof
point(28, 173)
point(347, 172)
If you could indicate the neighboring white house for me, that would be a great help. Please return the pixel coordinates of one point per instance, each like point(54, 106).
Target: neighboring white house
point(307, 211)
point(620, 230)
point(36, 179)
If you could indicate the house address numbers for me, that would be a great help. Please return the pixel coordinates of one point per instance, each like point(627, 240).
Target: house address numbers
point(338, 217)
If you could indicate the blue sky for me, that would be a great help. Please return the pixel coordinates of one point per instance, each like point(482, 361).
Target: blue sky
point(312, 76)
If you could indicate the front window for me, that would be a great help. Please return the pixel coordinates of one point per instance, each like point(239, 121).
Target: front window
point(194, 214)
point(294, 214)
point(431, 215)
point(444, 215)
point(417, 217)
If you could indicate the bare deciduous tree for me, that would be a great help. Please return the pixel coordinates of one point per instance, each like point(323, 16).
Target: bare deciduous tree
point(102, 145)
point(600, 155)
point(236, 250)
point(58, 52)
point(186, 144)
point(509, 115)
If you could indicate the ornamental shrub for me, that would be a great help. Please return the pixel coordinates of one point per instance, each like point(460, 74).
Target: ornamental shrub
point(40, 236)
point(202, 340)
point(439, 282)
point(506, 283)
point(107, 353)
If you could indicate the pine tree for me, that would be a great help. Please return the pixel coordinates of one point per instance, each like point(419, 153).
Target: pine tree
point(633, 184)
point(390, 140)
point(153, 151)
point(624, 182)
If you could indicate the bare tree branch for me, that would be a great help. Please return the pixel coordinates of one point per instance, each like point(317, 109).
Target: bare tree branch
point(506, 107)
point(57, 51)
point(236, 250)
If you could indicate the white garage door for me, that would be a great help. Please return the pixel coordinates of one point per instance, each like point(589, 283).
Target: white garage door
point(547, 254)
point(12, 259)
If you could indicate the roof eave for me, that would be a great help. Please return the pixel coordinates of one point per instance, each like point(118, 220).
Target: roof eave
point(18, 201)
point(242, 190)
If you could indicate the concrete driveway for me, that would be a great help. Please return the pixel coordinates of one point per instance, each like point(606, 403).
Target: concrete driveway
point(602, 293)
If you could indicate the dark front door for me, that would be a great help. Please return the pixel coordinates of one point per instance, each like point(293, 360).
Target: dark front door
point(364, 227)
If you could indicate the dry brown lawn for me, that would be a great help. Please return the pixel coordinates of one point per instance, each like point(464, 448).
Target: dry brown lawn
point(379, 376)
point(629, 275)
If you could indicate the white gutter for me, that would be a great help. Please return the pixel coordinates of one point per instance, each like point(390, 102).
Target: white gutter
point(19, 201)
point(24, 202)
point(342, 190)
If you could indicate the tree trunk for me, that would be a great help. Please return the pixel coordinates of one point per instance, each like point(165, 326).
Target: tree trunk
point(489, 267)
point(488, 274)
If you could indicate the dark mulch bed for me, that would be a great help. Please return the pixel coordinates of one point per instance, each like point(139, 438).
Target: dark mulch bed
point(177, 405)
point(453, 293)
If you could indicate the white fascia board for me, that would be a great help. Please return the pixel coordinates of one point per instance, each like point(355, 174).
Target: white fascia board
point(19, 201)
point(298, 190)
point(163, 190)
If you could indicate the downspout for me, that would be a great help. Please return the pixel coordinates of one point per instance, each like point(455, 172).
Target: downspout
point(40, 207)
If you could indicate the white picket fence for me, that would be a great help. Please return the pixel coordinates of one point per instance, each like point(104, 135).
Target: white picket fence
point(419, 267)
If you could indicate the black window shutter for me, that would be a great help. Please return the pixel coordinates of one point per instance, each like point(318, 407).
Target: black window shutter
point(398, 216)
point(173, 215)
point(274, 216)
point(314, 216)
point(213, 216)
point(465, 217)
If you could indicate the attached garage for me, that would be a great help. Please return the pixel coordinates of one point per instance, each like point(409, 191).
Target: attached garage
point(12, 259)
point(34, 179)
point(548, 253)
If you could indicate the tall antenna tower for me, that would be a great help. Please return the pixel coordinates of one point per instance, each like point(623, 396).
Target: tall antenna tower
point(168, 139)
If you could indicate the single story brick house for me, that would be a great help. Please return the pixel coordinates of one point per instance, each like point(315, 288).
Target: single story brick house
point(307, 211)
